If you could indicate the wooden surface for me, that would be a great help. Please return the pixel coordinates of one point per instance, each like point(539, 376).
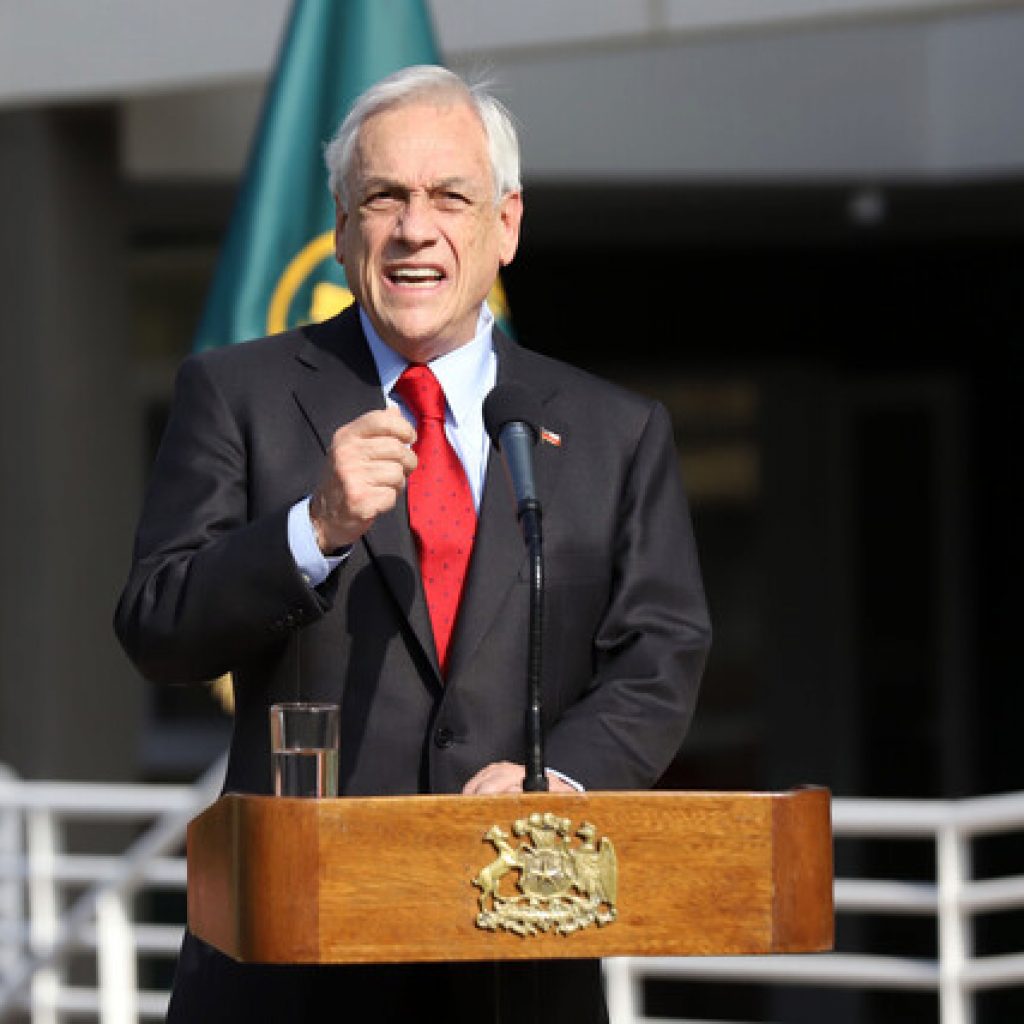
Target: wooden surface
point(389, 879)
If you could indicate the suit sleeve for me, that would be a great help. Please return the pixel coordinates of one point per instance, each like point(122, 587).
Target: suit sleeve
point(652, 640)
point(210, 586)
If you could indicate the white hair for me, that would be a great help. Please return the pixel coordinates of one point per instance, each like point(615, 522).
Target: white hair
point(414, 84)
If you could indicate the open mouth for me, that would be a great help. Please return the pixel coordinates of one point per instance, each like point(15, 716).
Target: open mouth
point(415, 277)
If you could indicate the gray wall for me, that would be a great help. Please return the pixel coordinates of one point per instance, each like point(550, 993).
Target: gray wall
point(69, 457)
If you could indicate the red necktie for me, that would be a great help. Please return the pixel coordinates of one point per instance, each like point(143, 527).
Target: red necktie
point(441, 511)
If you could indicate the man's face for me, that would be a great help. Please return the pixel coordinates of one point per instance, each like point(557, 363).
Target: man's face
point(422, 238)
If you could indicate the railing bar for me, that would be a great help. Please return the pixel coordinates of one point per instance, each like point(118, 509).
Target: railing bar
point(885, 816)
point(84, 810)
point(999, 812)
point(832, 969)
point(116, 960)
point(72, 799)
point(153, 1004)
point(79, 999)
point(12, 891)
point(84, 868)
point(145, 933)
point(994, 971)
point(990, 894)
point(994, 894)
point(636, 1019)
point(864, 895)
point(157, 939)
point(619, 989)
point(149, 938)
point(953, 868)
point(43, 837)
point(901, 830)
point(986, 815)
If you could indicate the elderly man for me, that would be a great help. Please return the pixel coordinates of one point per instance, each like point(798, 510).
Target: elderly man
point(295, 534)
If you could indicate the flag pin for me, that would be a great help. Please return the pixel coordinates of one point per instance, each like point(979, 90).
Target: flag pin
point(550, 437)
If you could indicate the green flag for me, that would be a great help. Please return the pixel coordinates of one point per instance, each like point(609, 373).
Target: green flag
point(277, 268)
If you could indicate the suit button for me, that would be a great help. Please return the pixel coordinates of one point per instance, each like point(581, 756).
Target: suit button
point(444, 738)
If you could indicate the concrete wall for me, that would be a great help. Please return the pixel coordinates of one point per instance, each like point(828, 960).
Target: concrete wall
point(608, 89)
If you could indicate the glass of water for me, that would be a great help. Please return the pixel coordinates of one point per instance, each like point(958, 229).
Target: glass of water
point(304, 749)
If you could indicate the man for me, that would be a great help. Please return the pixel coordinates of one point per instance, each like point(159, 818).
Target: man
point(288, 538)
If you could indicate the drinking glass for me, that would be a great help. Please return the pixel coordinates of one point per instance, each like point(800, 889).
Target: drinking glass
point(304, 749)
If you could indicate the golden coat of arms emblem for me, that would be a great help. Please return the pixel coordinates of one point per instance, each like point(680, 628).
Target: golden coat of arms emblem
point(542, 882)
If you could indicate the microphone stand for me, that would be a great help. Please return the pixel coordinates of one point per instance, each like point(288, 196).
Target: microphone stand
point(510, 412)
point(529, 517)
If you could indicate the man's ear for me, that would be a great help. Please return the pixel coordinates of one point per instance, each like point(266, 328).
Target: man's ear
point(340, 220)
point(510, 215)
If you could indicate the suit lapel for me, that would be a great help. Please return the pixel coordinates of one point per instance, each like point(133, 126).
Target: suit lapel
point(340, 380)
point(341, 384)
point(499, 554)
point(390, 545)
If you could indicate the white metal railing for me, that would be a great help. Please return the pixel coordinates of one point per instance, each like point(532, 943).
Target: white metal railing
point(42, 927)
point(953, 899)
point(47, 919)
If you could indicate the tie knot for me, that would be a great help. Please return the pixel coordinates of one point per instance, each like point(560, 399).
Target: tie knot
point(421, 392)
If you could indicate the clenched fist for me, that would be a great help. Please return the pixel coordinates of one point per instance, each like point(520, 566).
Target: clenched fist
point(365, 471)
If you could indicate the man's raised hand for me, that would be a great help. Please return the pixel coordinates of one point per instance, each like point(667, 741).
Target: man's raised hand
point(365, 471)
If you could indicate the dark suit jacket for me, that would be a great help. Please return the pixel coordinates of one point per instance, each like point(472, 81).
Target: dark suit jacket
point(214, 588)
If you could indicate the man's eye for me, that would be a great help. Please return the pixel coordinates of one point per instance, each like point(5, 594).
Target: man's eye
point(380, 201)
point(452, 200)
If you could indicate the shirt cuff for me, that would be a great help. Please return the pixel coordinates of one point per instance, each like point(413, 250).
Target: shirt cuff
point(312, 563)
point(565, 778)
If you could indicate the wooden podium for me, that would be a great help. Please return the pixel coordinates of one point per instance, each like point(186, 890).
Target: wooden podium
point(400, 879)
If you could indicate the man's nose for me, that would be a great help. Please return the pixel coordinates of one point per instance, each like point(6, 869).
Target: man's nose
point(416, 222)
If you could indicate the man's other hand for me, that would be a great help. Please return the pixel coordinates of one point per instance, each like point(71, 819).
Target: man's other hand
point(365, 471)
point(505, 777)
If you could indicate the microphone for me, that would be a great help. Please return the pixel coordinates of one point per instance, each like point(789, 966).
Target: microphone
point(511, 415)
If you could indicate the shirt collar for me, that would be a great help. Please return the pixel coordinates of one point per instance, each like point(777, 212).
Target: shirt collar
point(465, 374)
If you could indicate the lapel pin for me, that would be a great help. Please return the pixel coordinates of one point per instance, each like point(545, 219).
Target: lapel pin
point(550, 437)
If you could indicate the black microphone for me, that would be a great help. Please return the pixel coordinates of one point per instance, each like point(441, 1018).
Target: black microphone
point(511, 415)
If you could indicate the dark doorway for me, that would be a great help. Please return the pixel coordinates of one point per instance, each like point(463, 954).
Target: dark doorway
point(842, 365)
